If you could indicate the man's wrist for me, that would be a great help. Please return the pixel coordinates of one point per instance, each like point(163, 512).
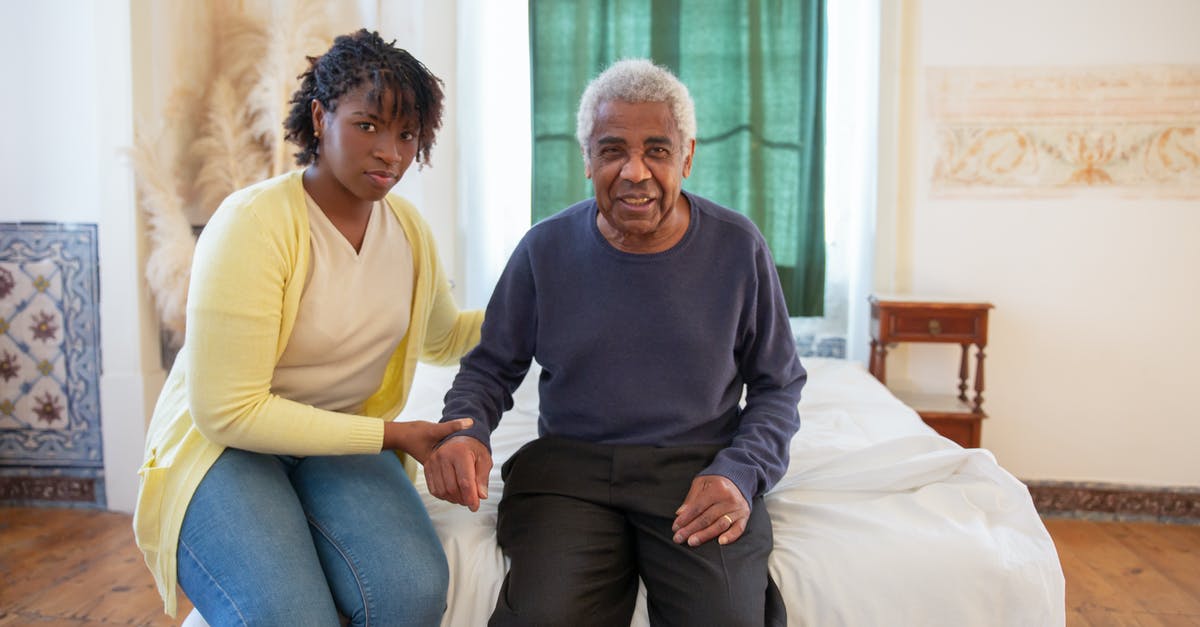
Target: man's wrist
point(478, 430)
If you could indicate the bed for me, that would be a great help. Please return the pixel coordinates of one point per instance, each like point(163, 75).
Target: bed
point(878, 521)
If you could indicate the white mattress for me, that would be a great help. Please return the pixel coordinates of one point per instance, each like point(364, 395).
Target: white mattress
point(878, 521)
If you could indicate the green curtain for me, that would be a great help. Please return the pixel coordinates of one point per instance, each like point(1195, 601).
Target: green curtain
point(756, 70)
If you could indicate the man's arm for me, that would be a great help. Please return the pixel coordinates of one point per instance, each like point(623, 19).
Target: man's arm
point(717, 505)
point(457, 470)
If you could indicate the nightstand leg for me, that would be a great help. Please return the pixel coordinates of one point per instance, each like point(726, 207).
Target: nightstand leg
point(879, 355)
point(962, 375)
point(978, 379)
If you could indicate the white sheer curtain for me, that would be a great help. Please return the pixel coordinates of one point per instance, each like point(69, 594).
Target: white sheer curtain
point(494, 135)
point(495, 139)
point(851, 109)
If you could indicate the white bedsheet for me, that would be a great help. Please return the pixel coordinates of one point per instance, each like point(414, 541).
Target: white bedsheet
point(878, 521)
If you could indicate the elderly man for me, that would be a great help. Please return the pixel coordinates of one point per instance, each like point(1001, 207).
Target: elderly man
point(650, 310)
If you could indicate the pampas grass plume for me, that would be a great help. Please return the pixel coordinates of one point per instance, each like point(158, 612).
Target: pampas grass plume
point(168, 266)
point(231, 158)
point(259, 50)
point(290, 35)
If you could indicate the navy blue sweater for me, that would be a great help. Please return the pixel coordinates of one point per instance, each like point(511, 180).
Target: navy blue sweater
point(644, 348)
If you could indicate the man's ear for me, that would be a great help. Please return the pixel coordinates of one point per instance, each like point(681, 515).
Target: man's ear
point(687, 160)
point(587, 165)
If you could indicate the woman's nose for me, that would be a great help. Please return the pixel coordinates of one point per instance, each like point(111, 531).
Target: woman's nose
point(388, 149)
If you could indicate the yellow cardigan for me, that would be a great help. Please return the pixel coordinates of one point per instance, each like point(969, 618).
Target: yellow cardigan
point(247, 277)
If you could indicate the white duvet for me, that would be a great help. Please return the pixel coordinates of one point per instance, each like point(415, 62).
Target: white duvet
point(878, 521)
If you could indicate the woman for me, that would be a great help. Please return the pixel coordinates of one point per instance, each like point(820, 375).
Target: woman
point(272, 491)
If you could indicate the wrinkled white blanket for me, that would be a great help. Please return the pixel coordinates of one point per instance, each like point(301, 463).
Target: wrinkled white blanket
point(878, 521)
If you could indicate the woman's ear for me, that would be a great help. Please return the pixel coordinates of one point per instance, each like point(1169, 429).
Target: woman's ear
point(318, 117)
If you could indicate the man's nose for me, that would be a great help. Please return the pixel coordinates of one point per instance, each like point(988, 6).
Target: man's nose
point(635, 168)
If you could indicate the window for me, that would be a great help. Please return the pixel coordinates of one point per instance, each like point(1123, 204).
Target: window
point(496, 160)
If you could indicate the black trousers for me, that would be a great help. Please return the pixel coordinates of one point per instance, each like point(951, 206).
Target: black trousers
point(581, 522)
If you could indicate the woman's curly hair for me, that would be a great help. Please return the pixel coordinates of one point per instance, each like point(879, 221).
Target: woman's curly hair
point(364, 58)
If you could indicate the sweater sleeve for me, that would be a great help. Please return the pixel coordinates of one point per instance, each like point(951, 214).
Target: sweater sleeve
point(758, 455)
point(490, 373)
point(236, 298)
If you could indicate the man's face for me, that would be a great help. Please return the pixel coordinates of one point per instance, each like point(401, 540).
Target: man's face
point(637, 163)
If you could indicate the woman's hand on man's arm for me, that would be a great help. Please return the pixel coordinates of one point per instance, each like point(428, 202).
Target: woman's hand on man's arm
point(419, 437)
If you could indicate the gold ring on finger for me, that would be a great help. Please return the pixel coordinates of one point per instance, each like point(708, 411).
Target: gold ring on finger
point(726, 517)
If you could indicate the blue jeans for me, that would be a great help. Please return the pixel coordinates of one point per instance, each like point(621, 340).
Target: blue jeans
point(277, 540)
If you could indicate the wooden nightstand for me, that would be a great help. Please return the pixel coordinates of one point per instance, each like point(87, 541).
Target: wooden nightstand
point(910, 319)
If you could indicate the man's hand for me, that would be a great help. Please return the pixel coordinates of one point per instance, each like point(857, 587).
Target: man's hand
point(418, 437)
point(713, 508)
point(458, 470)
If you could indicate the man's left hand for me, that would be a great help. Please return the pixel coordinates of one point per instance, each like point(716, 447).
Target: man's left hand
point(714, 508)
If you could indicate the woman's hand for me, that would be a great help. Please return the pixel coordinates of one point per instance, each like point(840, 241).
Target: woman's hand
point(418, 437)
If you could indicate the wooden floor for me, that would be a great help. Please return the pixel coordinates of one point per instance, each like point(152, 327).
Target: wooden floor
point(1129, 573)
point(77, 567)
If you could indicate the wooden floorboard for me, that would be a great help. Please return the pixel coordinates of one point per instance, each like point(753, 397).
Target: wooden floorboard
point(1135, 574)
point(74, 567)
point(80, 567)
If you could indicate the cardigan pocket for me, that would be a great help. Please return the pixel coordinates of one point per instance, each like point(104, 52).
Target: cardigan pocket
point(147, 516)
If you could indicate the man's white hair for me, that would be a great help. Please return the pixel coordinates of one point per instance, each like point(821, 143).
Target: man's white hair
point(635, 80)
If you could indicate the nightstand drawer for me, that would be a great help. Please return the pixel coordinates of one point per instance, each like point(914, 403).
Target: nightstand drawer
point(934, 326)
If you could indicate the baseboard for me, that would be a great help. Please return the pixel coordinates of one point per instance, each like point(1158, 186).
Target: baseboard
point(1104, 501)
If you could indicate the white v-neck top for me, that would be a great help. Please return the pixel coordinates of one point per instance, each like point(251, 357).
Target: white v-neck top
point(354, 310)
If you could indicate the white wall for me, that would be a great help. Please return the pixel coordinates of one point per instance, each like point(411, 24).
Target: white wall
point(1094, 335)
point(67, 122)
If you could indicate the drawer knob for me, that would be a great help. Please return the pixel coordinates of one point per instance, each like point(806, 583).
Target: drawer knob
point(935, 327)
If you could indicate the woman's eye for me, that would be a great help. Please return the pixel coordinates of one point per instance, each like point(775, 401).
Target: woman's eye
point(367, 126)
point(407, 136)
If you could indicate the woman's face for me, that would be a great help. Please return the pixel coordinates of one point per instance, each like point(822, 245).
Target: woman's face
point(362, 146)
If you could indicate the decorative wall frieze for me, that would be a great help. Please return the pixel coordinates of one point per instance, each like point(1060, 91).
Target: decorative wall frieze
point(1045, 131)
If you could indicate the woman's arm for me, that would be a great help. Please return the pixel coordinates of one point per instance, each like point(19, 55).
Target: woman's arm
point(241, 274)
point(449, 332)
